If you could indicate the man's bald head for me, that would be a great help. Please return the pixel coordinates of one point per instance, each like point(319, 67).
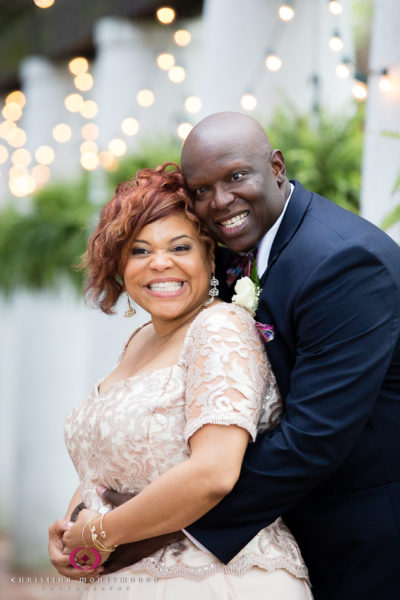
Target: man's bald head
point(237, 182)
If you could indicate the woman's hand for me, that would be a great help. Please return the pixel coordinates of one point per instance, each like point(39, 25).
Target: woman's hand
point(72, 537)
point(60, 560)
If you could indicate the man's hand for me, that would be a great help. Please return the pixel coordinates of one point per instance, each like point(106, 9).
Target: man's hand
point(61, 561)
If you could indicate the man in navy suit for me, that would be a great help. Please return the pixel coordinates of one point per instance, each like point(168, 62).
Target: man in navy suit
point(331, 289)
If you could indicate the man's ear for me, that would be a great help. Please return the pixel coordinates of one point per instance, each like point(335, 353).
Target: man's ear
point(278, 166)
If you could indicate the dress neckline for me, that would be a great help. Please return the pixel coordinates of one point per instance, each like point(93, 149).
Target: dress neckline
point(153, 371)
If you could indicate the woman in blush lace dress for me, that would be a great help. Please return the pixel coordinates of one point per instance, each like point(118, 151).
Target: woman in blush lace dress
point(174, 418)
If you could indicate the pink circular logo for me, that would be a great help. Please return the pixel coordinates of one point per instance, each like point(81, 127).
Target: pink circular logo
point(84, 559)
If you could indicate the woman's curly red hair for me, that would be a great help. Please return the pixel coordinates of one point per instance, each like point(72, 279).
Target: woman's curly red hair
point(153, 194)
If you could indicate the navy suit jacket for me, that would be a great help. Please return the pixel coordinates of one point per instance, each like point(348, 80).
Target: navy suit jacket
point(332, 467)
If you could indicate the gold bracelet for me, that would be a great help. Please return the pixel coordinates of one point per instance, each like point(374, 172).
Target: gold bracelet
point(95, 538)
point(83, 533)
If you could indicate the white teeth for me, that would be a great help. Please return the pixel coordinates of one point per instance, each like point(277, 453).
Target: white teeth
point(235, 221)
point(166, 286)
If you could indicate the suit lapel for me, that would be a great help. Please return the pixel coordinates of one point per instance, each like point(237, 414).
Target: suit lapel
point(291, 221)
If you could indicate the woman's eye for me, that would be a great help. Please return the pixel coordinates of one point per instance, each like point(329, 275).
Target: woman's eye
point(182, 248)
point(139, 251)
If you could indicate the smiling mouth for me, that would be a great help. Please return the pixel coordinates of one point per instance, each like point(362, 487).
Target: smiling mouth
point(166, 286)
point(235, 222)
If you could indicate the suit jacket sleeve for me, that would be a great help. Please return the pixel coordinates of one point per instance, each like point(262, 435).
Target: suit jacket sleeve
point(346, 317)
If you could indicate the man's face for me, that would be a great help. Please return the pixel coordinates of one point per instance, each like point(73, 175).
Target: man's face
point(235, 190)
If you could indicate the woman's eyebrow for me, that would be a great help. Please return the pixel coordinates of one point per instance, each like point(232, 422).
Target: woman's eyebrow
point(178, 237)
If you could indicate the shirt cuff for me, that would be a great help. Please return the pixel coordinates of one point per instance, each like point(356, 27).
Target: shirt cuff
point(195, 542)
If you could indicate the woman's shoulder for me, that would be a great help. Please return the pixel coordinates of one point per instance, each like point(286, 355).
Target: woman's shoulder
point(224, 315)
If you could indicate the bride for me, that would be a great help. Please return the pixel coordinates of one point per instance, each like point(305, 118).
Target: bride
point(174, 418)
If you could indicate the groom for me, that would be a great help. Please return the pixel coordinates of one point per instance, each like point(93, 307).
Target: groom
point(331, 289)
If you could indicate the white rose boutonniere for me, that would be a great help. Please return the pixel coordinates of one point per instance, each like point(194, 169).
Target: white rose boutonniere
point(247, 294)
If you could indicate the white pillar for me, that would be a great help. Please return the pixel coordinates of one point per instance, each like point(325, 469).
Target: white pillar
point(381, 161)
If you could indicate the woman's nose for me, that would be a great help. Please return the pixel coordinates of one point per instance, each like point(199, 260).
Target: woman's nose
point(161, 260)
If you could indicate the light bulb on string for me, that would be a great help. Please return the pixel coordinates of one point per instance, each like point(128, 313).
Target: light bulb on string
point(83, 82)
point(73, 102)
point(78, 65)
point(22, 186)
point(89, 161)
point(165, 61)
point(62, 133)
point(286, 12)
point(359, 88)
point(145, 98)
point(273, 62)
point(335, 7)
point(44, 3)
point(177, 74)
point(21, 157)
point(17, 96)
point(90, 132)
point(44, 155)
point(336, 42)
point(183, 130)
point(165, 15)
point(193, 104)
point(6, 127)
point(17, 138)
point(182, 37)
point(130, 126)
point(248, 102)
point(3, 154)
point(89, 109)
point(107, 160)
point(117, 147)
point(385, 85)
point(41, 174)
point(12, 111)
point(343, 69)
point(89, 147)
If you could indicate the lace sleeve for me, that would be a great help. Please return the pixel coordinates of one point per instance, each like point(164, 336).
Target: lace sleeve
point(229, 377)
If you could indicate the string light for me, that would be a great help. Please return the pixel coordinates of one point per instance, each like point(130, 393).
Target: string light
point(385, 85)
point(166, 15)
point(3, 154)
point(359, 88)
point(44, 3)
point(193, 104)
point(73, 102)
point(12, 111)
point(17, 171)
point(44, 155)
point(177, 74)
point(62, 133)
point(21, 157)
point(78, 65)
point(117, 147)
point(343, 69)
point(336, 42)
point(145, 98)
point(273, 62)
point(41, 174)
point(17, 96)
point(248, 102)
point(183, 130)
point(130, 126)
point(286, 12)
point(107, 160)
point(89, 147)
point(89, 109)
point(89, 161)
point(83, 82)
point(335, 7)
point(182, 37)
point(17, 137)
point(90, 132)
point(165, 61)
point(22, 186)
point(6, 127)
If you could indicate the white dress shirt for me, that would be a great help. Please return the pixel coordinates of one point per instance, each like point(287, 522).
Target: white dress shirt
point(264, 249)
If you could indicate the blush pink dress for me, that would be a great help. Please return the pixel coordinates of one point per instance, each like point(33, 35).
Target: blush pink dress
point(139, 428)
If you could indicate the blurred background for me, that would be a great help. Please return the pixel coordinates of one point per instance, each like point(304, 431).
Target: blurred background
point(92, 91)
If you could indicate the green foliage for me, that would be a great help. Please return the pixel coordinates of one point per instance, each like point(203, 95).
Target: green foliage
point(394, 216)
point(38, 248)
point(324, 154)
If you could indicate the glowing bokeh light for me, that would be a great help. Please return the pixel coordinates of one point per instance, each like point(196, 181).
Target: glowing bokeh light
point(182, 37)
point(248, 102)
point(342, 70)
point(6, 127)
point(286, 12)
point(41, 174)
point(273, 62)
point(78, 65)
point(18, 97)
point(359, 90)
point(62, 133)
point(21, 157)
point(44, 3)
point(108, 160)
point(22, 186)
point(336, 43)
point(385, 85)
point(44, 155)
point(130, 126)
point(117, 147)
point(12, 111)
point(3, 154)
point(89, 161)
point(177, 74)
point(145, 98)
point(335, 7)
point(73, 102)
point(89, 109)
point(83, 82)
point(17, 171)
point(183, 130)
point(89, 147)
point(193, 104)
point(90, 132)
point(165, 61)
point(17, 137)
point(166, 15)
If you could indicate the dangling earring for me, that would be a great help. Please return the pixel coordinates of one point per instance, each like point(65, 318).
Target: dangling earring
point(131, 311)
point(213, 291)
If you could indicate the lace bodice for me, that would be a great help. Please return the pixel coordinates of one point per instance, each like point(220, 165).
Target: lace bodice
point(139, 427)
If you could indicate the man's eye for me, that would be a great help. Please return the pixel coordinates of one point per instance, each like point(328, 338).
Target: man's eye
point(237, 176)
point(182, 248)
point(200, 191)
point(139, 251)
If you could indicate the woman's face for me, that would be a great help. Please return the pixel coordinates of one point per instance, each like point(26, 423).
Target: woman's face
point(168, 270)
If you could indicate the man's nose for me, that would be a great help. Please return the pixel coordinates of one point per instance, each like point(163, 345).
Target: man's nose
point(161, 260)
point(222, 197)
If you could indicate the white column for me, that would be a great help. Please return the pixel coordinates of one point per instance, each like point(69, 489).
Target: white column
point(381, 162)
